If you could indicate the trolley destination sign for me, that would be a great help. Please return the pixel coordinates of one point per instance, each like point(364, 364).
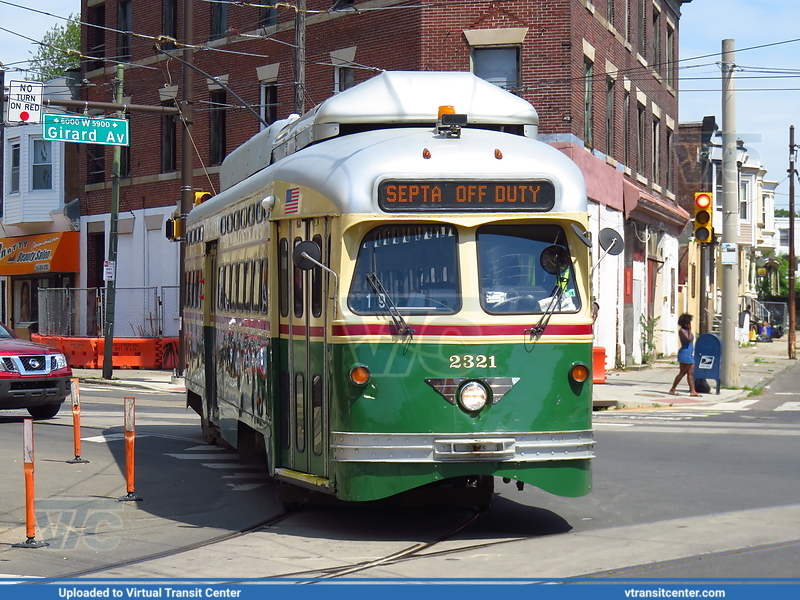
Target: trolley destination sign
point(84, 130)
point(460, 195)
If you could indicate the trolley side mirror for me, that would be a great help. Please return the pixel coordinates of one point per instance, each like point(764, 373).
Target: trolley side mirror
point(306, 255)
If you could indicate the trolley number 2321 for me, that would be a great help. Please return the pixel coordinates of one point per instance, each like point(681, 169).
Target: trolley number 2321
point(467, 361)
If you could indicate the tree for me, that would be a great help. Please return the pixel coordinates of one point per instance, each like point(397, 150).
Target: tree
point(764, 292)
point(51, 60)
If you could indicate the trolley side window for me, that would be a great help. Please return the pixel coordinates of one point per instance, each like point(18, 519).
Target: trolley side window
point(514, 278)
point(417, 265)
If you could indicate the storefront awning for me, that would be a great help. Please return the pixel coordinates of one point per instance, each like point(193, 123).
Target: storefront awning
point(39, 254)
point(657, 212)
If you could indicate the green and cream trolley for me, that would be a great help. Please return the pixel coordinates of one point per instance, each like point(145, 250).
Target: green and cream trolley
point(392, 291)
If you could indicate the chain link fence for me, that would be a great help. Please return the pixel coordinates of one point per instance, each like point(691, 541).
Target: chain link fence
point(149, 312)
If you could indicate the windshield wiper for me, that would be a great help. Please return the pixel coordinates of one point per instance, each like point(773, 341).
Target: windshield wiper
point(384, 298)
point(555, 302)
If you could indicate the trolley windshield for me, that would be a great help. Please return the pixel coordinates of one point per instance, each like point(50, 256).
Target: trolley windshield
point(416, 265)
point(516, 278)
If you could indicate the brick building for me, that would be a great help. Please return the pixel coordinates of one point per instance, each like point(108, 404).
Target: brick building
point(601, 73)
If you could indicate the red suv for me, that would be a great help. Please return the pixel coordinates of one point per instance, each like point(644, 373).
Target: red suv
point(32, 376)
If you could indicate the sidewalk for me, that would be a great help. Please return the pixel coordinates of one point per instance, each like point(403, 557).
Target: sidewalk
point(161, 381)
point(631, 388)
point(649, 387)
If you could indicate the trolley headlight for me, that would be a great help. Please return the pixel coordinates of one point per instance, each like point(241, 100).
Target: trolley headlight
point(579, 373)
point(473, 396)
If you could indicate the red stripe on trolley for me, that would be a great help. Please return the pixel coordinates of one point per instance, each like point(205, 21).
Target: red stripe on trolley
point(301, 330)
point(460, 330)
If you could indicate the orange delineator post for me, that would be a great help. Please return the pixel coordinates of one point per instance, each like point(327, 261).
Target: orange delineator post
point(76, 421)
point(30, 512)
point(130, 450)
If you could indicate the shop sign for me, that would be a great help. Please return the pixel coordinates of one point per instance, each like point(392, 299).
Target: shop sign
point(32, 254)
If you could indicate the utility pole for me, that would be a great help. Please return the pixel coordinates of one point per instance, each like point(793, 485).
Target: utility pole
point(300, 57)
point(792, 257)
point(730, 222)
point(187, 167)
point(111, 282)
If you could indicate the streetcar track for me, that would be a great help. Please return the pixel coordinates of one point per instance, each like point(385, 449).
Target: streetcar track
point(389, 559)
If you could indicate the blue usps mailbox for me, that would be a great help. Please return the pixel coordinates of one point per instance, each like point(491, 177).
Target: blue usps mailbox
point(708, 357)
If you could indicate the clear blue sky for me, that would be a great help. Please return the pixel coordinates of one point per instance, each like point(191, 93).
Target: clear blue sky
point(763, 117)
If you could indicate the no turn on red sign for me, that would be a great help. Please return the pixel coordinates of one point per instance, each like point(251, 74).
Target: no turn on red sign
point(25, 101)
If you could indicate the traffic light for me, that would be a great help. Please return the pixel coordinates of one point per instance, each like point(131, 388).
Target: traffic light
point(174, 228)
point(703, 213)
point(200, 197)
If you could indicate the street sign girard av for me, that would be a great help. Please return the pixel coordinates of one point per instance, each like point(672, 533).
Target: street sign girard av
point(84, 130)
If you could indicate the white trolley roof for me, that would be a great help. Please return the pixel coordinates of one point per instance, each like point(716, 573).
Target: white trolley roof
point(310, 151)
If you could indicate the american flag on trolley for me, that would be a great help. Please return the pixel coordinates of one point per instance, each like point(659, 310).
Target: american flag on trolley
point(292, 201)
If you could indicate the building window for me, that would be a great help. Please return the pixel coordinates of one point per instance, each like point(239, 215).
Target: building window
point(269, 102)
point(125, 33)
point(610, 114)
point(670, 65)
point(784, 235)
point(169, 154)
point(641, 134)
point(169, 22)
point(42, 166)
point(670, 181)
point(656, 35)
point(656, 151)
point(641, 29)
point(217, 118)
point(219, 20)
point(15, 163)
point(343, 78)
point(588, 102)
point(95, 163)
point(124, 161)
point(268, 16)
point(744, 200)
point(96, 36)
point(610, 12)
point(626, 18)
point(626, 126)
point(497, 65)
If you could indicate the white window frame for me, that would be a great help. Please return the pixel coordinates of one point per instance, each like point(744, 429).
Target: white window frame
point(35, 163)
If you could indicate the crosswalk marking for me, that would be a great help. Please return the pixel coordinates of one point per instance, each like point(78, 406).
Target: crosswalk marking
point(686, 413)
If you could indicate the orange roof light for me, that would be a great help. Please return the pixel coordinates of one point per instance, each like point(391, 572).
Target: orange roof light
point(446, 110)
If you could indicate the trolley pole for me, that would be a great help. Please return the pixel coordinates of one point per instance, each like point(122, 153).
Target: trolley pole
point(111, 283)
point(300, 57)
point(792, 257)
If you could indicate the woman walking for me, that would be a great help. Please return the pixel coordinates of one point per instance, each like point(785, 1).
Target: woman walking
point(685, 354)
